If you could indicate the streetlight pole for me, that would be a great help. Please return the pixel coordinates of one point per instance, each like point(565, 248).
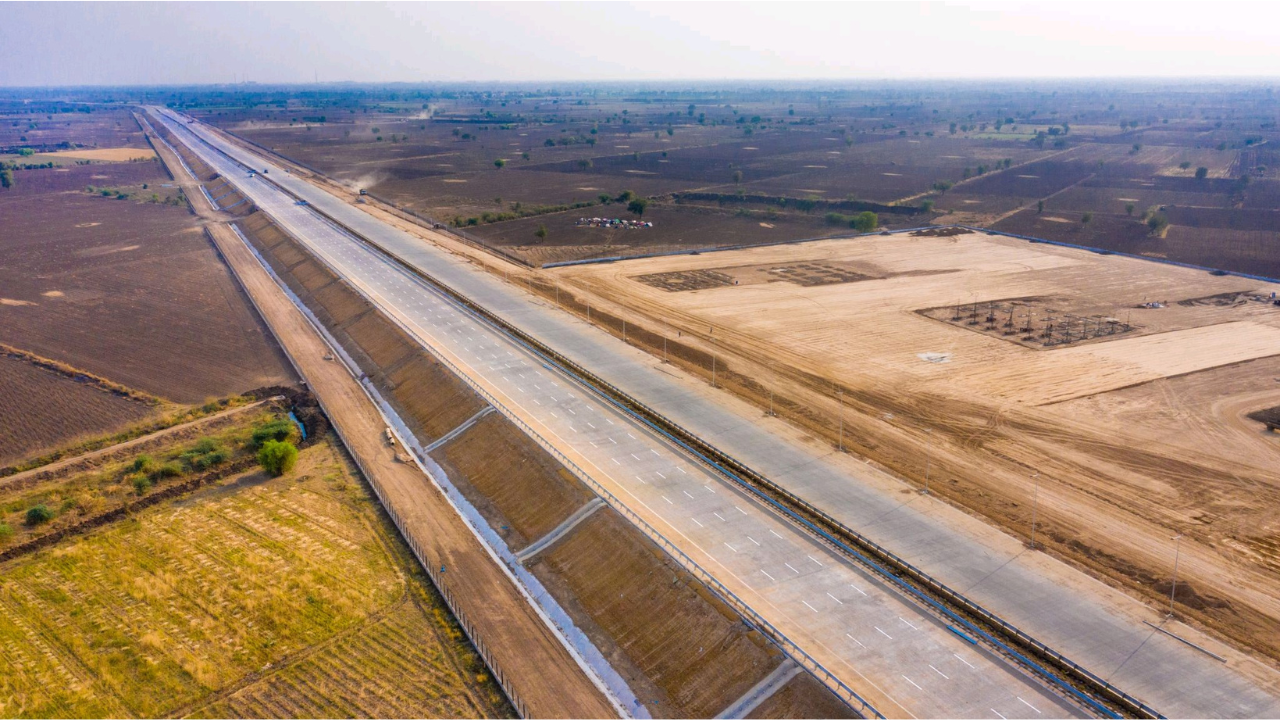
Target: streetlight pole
point(928, 460)
point(1173, 589)
point(1035, 505)
point(840, 399)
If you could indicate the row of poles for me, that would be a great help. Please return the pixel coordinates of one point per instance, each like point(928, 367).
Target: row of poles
point(1051, 330)
point(1102, 326)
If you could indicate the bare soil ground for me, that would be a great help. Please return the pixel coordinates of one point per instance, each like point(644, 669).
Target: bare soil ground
point(44, 409)
point(518, 487)
point(685, 653)
point(802, 697)
point(997, 411)
point(129, 290)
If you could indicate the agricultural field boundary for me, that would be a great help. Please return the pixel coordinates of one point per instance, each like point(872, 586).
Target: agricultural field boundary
point(727, 248)
point(454, 498)
point(81, 461)
point(79, 375)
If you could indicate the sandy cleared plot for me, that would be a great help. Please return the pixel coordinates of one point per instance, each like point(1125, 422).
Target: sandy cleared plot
point(104, 154)
point(1090, 369)
point(1001, 408)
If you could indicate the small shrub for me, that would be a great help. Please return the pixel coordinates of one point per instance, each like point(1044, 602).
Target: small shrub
point(173, 468)
point(277, 457)
point(866, 221)
point(6, 532)
point(141, 483)
point(143, 464)
point(39, 514)
point(277, 430)
point(1202, 173)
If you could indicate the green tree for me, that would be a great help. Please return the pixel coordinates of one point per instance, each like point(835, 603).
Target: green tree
point(1085, 218)
point(499, 163)
point(1157, 223)
point(277, 457)
point(604, 198)
point(1184, 164)
point(866, 221)
point(1128, 208)
point(6, 178)
point(1202, 173)
point(585, 163)
point(1039, 206)
point(541, 232)
point(927, 206)
point(638, 206)
point(737, 176)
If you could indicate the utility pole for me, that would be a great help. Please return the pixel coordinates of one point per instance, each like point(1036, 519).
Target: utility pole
point(1173, 589)
point(840, 399)
point(664, 348)
point(624, 329)
point(928, 459)
point(1035, 505)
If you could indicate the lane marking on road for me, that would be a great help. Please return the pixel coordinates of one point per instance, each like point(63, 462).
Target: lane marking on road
point(833, 597)
point(731, 547)
point(720, 516)
point(696, 520)
point(615, 462)
point(664, 497)
point(913, 682)
point(708, 487)
point(686, 492)
point(753, 540)
point(815, 560)
point(766, 574)
point(664, 477)
point(855, 587)
point(681, 470)
point(997, 712)
point(913, 627)
point(944, 675)
point(792, 569)
point(806, 604)
point(1033, 707)
point(776, 534)
point(735, 507)
point(855, 640)
point(877, 627)
point(966, 662)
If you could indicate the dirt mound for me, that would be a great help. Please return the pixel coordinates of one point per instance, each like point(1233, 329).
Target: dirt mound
point(941, 232)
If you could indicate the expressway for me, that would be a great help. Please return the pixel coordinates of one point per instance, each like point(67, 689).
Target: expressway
point(892, 651)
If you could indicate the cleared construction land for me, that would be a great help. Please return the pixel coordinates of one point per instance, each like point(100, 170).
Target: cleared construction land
point(250, 596)
point(1134, 418)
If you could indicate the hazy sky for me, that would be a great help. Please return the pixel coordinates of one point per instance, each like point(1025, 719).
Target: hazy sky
point(161, 43)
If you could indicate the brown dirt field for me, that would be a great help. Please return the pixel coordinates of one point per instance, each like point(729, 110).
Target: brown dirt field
point(802, 697)
point(684, 653)
point(43, 409)
point(126, 290)
point(515, 484)
point(1111, 494)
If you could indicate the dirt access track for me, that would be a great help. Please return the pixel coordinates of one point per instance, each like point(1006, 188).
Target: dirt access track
point(528, 653)
point(1135, 437)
